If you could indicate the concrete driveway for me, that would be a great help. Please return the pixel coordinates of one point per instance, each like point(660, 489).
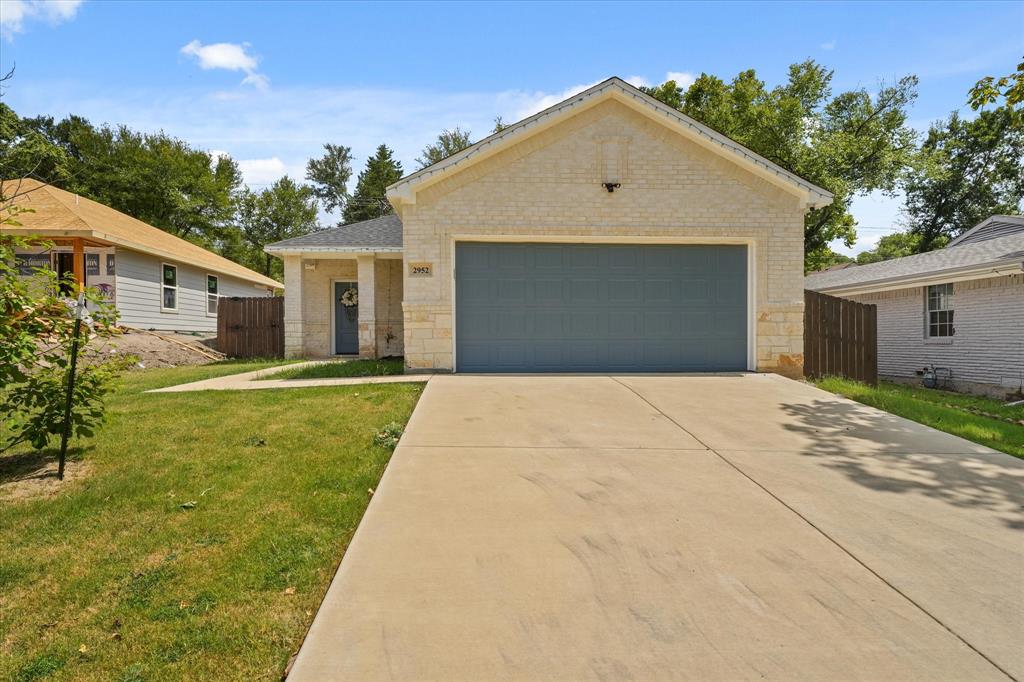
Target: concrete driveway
point(676, 527)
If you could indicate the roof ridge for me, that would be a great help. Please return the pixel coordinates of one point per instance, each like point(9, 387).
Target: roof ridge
point(698, 128)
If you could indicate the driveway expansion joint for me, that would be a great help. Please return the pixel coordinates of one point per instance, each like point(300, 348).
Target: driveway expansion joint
point(823, 533)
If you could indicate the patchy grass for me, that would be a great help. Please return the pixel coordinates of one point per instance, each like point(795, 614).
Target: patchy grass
point(343, 368)
point(982, 420)
point(201, 539)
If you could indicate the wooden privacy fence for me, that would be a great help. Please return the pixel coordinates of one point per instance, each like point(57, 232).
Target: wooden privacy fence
point(251, 327)
point(840, 338)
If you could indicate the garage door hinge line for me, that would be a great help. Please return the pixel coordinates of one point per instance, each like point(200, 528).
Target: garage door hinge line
point(821, 532)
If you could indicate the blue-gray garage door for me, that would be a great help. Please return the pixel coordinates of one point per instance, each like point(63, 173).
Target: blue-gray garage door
point(600, 307)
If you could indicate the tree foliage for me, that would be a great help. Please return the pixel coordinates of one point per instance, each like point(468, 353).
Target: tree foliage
point(851, 144)
point(895, 245)
point(330, 174)
point(990, 90)
point(967, 171)
point(156, 178)
point(448, 142)
point(368, 201)
point(285, 209)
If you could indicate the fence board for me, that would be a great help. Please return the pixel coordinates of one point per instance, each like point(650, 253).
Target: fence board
point(840, 338)
point(251, 327)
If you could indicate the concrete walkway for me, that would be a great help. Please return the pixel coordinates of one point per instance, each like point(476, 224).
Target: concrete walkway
point(254, 381)
point(742, 527)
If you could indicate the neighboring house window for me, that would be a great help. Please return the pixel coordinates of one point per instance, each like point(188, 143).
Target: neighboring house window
point(169, 288)
point(211, 295)
point(92, 264)
point(940, 310)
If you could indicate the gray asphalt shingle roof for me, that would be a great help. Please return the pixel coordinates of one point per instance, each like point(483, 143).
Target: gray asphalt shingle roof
point(976, 254)
point(383, 232)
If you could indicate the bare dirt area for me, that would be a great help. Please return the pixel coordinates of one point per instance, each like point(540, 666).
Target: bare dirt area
point(160, 349)
point(34, 474)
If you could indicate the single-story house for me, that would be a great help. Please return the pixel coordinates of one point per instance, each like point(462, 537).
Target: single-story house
point(155, 279)
point(608, 232)
point(959, 309)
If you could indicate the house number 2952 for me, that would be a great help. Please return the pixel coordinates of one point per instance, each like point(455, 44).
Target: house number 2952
point(421, 269)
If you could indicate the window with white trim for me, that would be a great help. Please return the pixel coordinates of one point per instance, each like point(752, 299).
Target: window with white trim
point(939, 314)
point(212, 295)
point(169, 287)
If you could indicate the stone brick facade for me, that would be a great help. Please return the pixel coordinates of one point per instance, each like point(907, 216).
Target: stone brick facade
point(309, 304)
point(548, 186)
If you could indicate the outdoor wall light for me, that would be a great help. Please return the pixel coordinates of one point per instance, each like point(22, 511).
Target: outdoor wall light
point(611, 186)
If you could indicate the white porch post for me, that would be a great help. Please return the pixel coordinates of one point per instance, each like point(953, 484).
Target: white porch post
point(366, 266)
point(294, 337)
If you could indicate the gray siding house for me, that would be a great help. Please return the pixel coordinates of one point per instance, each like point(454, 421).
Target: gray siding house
point(155, 279)
point(959, 309)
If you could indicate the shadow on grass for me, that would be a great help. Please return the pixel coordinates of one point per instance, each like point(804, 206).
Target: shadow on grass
point(902, 457)
point(35, 465)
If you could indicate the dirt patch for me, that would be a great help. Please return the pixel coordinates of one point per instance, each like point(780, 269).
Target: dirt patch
point(34, 474)
point(160, 349)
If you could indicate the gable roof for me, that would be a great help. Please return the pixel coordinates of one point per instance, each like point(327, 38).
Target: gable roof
point(986, 258)
point(990, 228)
point(376, 235)
point(404, 191)
point(57, 213)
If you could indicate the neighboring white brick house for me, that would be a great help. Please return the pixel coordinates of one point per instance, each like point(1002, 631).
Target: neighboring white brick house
point(960, 308)
point(636, 201)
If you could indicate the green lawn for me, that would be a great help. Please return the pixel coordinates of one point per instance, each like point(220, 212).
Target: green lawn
point(346, 368)
point(982, 420)
point(203, 537)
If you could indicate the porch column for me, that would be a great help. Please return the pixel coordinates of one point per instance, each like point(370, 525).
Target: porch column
point(294, 336)
point(367, 306)
point(78, 263)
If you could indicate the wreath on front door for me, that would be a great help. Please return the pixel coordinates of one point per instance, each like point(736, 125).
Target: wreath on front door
point(350, 298)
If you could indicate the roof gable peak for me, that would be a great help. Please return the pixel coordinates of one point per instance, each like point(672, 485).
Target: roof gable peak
point(404, 191)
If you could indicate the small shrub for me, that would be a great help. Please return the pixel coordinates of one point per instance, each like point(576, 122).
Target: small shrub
point(388, 436)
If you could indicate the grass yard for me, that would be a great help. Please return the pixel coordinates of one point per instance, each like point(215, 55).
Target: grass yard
point(346, 368)
point(981, 420)
point(200, 535)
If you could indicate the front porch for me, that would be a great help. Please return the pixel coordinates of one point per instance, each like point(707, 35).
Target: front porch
point(319, 324)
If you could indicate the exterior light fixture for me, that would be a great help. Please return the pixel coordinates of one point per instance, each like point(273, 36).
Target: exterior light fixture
point(611, 186)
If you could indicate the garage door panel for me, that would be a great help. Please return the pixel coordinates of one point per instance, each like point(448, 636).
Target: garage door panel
point(548, 324)
point(625, 324)
point(600, 307)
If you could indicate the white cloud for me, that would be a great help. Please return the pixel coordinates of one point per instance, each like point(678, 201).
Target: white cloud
point(258, 173)
point(258, 81)
point(15, 13)
point(683, 79)
point(230, 57)
point(830, 45)
point(539, 100)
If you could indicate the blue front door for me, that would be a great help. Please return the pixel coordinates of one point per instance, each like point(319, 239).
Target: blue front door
point(346, 321)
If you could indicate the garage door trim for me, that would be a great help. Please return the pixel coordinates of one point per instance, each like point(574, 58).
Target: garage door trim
point(750, 243)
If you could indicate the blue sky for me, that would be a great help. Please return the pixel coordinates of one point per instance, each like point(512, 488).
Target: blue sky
point(269, 83)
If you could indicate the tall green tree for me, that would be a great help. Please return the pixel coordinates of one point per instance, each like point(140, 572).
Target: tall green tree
point(368, 200)
point(851, 144)
point(895, 245)
point(285, 209)
point(448, 142)
point(156, 178)
point(968, 170)
point(330, 174)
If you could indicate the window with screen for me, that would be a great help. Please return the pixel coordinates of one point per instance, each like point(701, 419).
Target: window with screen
point(212, 295)
point(169, 288)
point(940, 311)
